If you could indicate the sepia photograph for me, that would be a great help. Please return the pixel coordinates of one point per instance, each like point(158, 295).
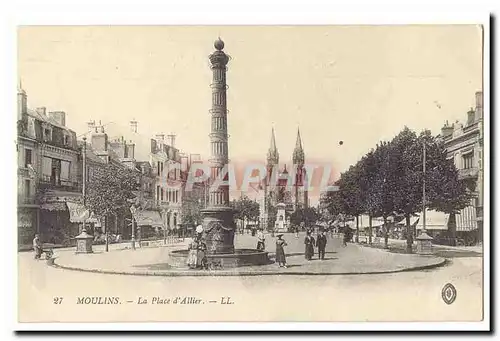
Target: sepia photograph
point(252, 173)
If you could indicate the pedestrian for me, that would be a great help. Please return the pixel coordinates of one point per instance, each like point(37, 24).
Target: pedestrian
point(37, 246)
point(347, 235)
point(321, 243)
point(201, 256)
point(261, 240)
point(280, 251)
point(192, 260)
point(309, 243)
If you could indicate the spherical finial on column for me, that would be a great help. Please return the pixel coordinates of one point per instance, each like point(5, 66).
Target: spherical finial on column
point(219, 44)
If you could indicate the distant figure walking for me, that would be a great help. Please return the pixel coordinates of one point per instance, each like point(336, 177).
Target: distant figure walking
point(309, 243)
point(280, 251)
point(321, 243)
point(261, 240)
point(37, 246)
point(347, 235)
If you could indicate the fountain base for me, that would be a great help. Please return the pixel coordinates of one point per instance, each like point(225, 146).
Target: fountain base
point(240, 257)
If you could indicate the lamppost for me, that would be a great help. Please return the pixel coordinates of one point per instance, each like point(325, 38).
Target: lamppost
point(423, 189)
point(424, 241)
point(133, 209)
point(84, 182)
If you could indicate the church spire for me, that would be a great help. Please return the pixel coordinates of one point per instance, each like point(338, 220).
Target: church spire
point(272, 154)
point(298, 152)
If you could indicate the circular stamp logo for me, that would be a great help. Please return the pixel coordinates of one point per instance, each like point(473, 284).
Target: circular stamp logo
point(449, 293)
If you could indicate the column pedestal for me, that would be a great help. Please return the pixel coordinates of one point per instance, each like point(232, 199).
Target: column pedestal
point(218, 229)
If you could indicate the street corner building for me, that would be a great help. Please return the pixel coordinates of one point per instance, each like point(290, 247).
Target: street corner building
point(48, 158)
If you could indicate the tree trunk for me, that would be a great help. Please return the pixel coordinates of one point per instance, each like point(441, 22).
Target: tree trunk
point(370, 229)
point(386, 234)
point(116, 223)
point(107, 232)
point(452, 227)
point(409, 235)
point(357, 229)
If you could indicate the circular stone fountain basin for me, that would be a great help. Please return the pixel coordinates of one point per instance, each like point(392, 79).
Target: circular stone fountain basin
point(240, 257)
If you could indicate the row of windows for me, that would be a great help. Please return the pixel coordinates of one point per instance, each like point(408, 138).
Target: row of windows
point(174, 175)
point(167, 195)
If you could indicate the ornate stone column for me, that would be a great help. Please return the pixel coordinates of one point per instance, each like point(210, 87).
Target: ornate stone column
point(218, 221)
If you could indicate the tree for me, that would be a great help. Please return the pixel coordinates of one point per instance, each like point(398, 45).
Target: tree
point(309, 216)
point(408, 193)
point(379, 197)
point(192, 203)
point(352, 195)
point(245, 209)
point(110, 190)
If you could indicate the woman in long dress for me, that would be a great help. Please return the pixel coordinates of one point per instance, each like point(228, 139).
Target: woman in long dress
point(280, 251)
point(309, 243)
point(192, 260)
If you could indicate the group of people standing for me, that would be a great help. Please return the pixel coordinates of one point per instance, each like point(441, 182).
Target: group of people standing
point(197, 253)
point(310, 243)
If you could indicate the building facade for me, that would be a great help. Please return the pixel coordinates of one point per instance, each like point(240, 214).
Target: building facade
point(48, 159)
point(464, 144)
point(166, 165)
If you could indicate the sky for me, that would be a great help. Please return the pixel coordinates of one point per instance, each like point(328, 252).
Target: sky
point(356, 84)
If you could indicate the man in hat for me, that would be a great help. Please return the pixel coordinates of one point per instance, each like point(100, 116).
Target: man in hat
point(321, 243)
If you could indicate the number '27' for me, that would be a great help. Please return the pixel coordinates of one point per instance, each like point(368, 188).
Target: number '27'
point(58, 300)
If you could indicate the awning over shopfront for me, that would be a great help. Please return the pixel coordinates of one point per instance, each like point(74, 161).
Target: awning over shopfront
point(148, 218)
point(434, 220)
point(466, 219)
point(77, 213)
point(413, 221)
point(364, 222)
point(53, 206)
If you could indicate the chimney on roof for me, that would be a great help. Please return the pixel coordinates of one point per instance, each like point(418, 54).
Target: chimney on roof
point(41, 111)
point(479, 105)
point(171, 140)
point(471, 116)
point(447, 130)
point(22, 102)
point(91, 126)
point(99, 140)
point(59, 117)
point(133, 126)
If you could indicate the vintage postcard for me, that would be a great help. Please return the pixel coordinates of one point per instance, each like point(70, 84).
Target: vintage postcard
point(329, 173)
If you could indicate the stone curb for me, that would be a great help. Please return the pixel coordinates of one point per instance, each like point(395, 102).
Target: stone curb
point(222, 273)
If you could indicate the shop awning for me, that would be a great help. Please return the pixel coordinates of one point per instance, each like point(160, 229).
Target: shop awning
point(434, 220)
point(148, 218)
point(53, 206)
point(466, 219)
point(364, 221)
point(77, 213)
point(413, 221)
